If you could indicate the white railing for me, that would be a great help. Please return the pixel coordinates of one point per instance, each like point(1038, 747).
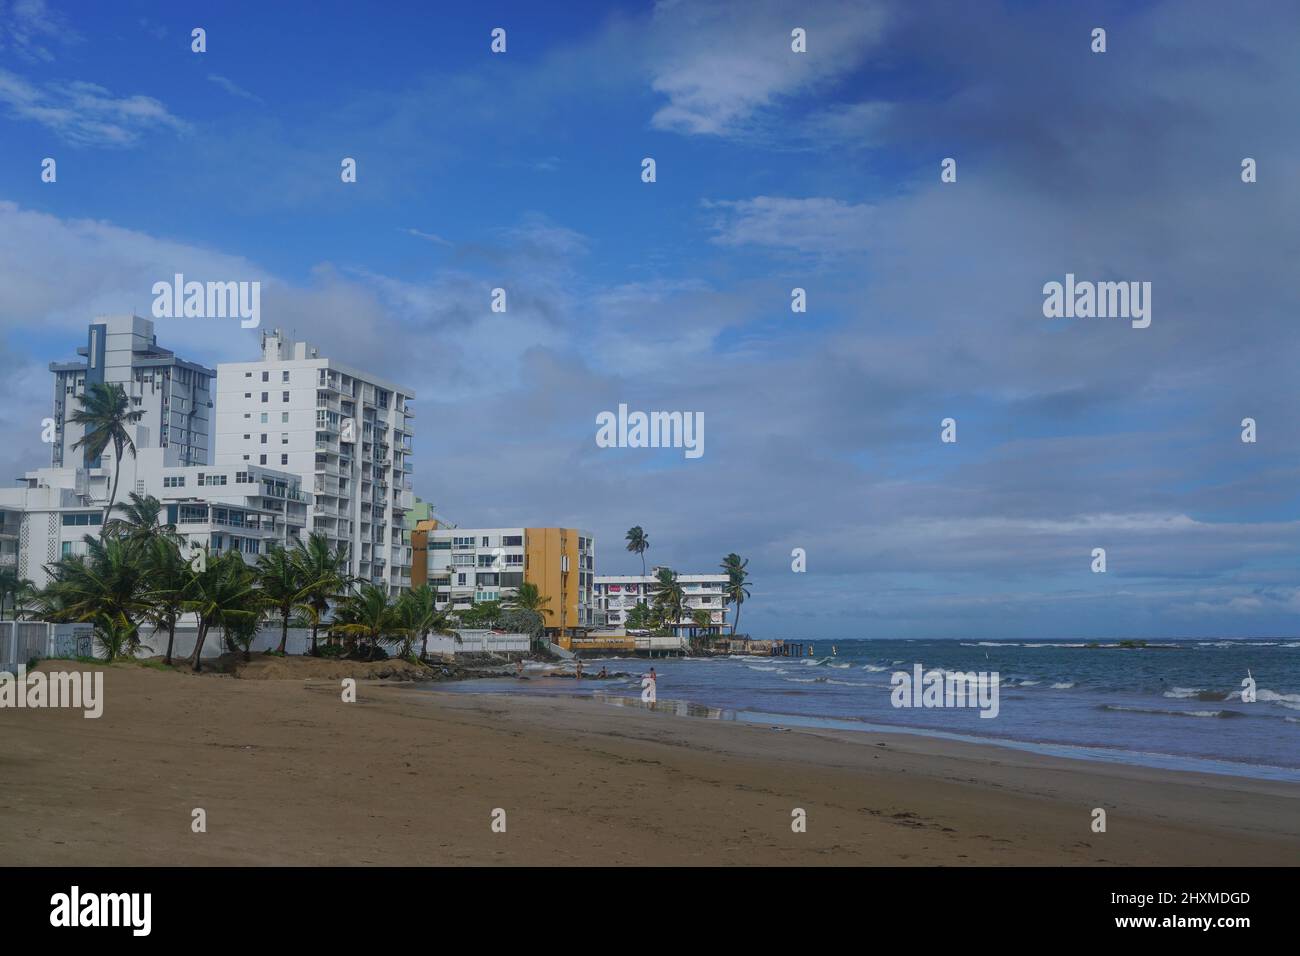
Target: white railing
point(480, 642)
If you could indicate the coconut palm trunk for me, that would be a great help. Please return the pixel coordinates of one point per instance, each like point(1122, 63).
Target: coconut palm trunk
point(195, 658)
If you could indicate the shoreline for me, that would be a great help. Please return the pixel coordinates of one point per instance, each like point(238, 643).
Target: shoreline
point(288, 774)
point(1098, 753)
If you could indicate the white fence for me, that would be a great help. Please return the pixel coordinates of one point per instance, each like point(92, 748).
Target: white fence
point(480, 642)
point(20, 641)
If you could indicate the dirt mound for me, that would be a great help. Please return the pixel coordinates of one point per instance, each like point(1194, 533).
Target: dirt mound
point(270, 667)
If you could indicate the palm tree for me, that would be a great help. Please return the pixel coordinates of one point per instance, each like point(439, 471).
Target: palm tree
point(168, 575)
point(105, 413)
point(324, 578)
point(702, 621)
point(418, 609)
point(223, 594)
point(482, 614)
point(12, 586)
point(735, 588)
point(669, 596)
point(283, 587)
point(369, 614)
point(142, 519)
point(240, 633)
point(106, 586)
point(26, 599)
point(637, 543)
point(529, 597)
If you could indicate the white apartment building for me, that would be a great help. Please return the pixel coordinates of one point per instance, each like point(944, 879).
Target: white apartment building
point(617, 594)
point(53, 509)
point(345, 432)
point(174, 395)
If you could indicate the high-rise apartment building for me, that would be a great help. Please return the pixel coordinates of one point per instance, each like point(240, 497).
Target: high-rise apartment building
point(173, 394)
point(346, 432)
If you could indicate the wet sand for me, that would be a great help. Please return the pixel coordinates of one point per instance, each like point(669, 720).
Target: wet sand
point(289, 774)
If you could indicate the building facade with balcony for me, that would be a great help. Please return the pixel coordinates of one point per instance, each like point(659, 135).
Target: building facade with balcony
point(616, 594)
point(347, 433)
point(472, 565)
point(248, 510)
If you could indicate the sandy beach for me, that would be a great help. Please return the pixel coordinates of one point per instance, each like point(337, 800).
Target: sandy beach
point(289, 774)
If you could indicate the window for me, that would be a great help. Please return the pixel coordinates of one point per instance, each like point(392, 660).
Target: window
point(263, 438)
point(461, 544)
point(247, 437)
point(284, 459)
point(485, 541)
point(284, 438)
point(266, 376)
point(284, 418)
point(284, 377)
point(248, 395)
point(261, 459)
point(173, 481)
point(263, 418)
point(284, 396)
point(67, 548)
point(512, 541)
point(460, 580)
point(248, 414)
point(248, 375)
point(266, 396)
point(83, 518)
point(243, 478)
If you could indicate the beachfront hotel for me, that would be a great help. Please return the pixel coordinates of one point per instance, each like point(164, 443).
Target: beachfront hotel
point(346, 433)
point(174, 395)
point(616, 595)
point(469, 565)
point(52, 510)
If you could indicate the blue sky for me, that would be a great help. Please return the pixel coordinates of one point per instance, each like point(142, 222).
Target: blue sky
point(775, 170)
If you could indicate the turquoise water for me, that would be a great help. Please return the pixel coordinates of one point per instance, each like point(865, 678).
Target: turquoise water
point(1171, 704)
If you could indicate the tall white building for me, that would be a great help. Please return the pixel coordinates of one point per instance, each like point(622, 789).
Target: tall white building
point(346, 432)
point(174, 395)
point(245, 509)
point(617, 594)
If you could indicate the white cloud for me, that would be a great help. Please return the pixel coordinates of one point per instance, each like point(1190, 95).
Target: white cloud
point(234, 89)
point(85, 114)
point(719, 63)
point(814, 225)
point(27, 25)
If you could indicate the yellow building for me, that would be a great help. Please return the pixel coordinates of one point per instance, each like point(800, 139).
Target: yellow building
point(471, 565)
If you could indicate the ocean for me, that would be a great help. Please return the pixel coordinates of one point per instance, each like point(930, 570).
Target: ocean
point(1174, 704)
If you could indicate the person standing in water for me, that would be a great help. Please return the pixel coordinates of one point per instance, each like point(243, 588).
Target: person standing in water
point(577, 669)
